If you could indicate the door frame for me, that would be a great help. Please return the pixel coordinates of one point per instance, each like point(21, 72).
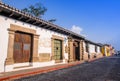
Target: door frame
point(71, 48)
point(56, 50)
point(52, 49)
point(13, 28)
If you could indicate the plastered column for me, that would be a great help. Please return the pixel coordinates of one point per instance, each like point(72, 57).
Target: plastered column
point(85, 51)
point(70, 46)
point(88, 50)
point(35, 48)
point(9, 59)
point(81, 50)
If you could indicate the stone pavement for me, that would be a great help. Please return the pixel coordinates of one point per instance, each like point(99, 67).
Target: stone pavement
point(105, 69)
point(29, 72)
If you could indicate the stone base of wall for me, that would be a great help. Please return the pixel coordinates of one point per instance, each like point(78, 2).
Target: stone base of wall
point(93, 55)
point(85, 57)
point(22, 66)
point(99, 55)
point(44, 57)
point(71, 60)
point(58, 61)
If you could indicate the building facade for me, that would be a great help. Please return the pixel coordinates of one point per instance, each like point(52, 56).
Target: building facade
point(108, 50)
point(29, 42)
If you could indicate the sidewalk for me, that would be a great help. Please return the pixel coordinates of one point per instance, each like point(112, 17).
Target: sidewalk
point(29, 72)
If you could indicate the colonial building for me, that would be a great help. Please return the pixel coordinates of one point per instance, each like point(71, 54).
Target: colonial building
point(99, 50)
point(92, 50)
point(108, 50)
point(28, 42)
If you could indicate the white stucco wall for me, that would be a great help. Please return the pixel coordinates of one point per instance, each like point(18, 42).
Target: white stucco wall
point(98, 49)
point(45, 37)
point(45, 40)
point(3, 42)
point(91, 48)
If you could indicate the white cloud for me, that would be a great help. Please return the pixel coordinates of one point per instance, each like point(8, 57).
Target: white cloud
point(76, 29)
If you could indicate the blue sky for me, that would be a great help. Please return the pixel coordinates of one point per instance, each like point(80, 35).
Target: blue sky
point(99, 20)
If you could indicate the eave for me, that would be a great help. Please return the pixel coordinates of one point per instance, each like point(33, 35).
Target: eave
point(14, 13)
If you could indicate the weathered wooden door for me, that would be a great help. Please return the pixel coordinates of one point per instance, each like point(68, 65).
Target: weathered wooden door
point(22, 47)
point(58, 49)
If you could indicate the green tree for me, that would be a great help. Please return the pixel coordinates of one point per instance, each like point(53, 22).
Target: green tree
point(52, 20)
point(37, 10)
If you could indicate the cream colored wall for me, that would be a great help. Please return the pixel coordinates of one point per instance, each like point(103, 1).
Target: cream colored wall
point(91, 48)
point(45, 37)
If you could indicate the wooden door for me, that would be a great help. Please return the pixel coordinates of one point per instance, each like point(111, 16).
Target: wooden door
point(22, 47)
point(58, 49)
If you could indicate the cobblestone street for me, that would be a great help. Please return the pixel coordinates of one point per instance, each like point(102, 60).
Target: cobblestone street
point(105, 69)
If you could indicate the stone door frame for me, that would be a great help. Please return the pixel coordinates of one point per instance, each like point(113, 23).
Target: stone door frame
point(52, 45)
point(13, 28)
point(70, 46)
